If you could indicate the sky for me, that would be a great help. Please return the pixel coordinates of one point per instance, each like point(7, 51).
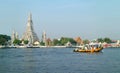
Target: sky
point(89, 19)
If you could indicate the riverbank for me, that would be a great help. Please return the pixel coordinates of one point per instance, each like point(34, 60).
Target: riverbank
point(40, 46)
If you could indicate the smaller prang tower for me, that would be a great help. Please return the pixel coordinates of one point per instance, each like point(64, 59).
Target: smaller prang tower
point(44, 37)
point(14, 36)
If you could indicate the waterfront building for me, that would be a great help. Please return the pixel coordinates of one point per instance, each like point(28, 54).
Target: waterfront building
point(29, 34)
point(68, 44)
point(78, 40)
point(48, 42)
point(118, 42)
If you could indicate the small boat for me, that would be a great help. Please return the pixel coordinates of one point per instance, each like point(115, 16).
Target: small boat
point(89, 48)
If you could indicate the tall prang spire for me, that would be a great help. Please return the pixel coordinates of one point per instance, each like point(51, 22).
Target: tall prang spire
point(30, 22)
point(30, 16)
point(29, 34)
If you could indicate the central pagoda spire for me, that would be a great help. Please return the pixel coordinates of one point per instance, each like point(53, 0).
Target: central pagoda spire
point(29, 34)
point(30, 23)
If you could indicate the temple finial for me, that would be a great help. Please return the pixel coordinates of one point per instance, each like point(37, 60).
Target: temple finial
point(30, 16)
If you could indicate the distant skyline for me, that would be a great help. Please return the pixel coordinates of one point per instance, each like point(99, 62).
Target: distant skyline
point(89, 19)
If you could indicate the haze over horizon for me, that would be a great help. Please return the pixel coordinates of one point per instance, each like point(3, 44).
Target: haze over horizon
point(89, 19)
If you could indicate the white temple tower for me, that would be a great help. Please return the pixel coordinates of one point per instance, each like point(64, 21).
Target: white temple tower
point(14, 36)
point(44, 36)
point(29, 34)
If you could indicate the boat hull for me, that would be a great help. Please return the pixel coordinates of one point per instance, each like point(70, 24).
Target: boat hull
point(90, 50)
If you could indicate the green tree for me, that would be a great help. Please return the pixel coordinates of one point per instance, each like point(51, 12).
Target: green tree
point(56, 42)
point(17, 42)
point(26, 41)
point(4, 39)
point(108, 40)
point(64, 40)
point(100, 40)
point(72, 41)
point(42, 43)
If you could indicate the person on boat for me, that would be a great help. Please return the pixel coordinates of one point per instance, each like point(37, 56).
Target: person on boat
point(92, 48)
point(86, 48)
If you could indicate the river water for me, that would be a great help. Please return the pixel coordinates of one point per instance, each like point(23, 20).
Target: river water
point(58, 60)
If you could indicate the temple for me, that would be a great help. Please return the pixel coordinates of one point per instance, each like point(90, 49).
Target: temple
point(29, 34)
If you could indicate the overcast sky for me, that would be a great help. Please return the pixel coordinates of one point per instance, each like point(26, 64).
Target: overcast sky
point(89, 19)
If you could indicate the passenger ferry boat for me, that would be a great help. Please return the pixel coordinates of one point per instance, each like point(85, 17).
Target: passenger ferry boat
point(89, 48)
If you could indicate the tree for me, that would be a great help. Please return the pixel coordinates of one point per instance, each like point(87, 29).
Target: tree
point(56, 42)
point(64, 40)
point(26, 41)
point(72, 41)
point(17, 42)
point(107, 40)
point(4, 39)
point(42, 43)
point(100, 40)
